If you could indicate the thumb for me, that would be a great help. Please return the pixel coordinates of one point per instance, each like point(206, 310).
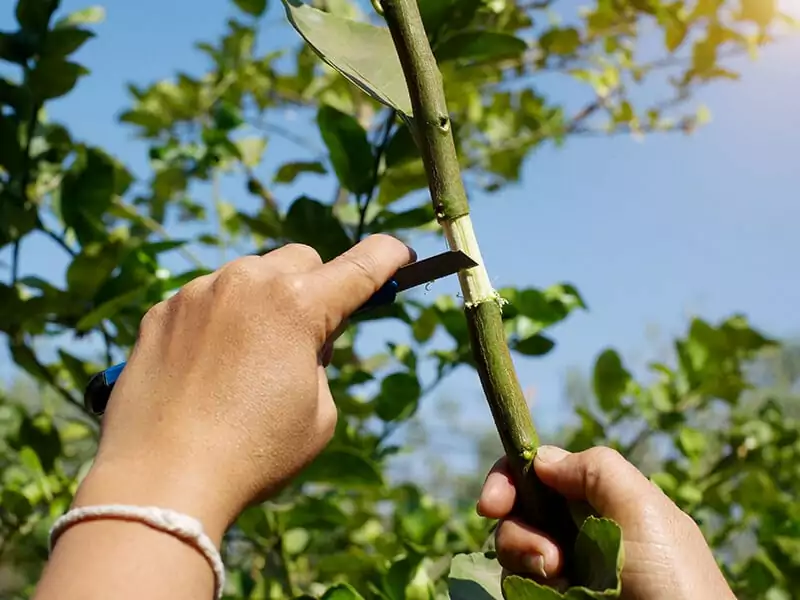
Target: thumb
point(600, 475)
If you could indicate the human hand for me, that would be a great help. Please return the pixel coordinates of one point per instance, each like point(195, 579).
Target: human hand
point(225, 396)
point(666, 556)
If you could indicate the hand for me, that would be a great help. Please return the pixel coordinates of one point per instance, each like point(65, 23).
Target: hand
point(225, 397)
point(666, 556)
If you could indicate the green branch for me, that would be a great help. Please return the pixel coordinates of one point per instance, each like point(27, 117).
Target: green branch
point(483, 306)
point(386, 136)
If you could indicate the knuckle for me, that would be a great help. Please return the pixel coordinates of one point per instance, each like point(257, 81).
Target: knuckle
point(188, 294)
point(598, 461)
point(243, 270)
point(152, 321)
point(293, 292)
point(305, 251)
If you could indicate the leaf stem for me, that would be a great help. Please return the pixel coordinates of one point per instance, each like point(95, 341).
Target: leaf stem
point(50, 379)
point(483, 306)
point(386, 135)
point(57, 239)
point(15, 263)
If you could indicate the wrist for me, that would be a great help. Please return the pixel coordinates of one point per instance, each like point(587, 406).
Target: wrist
point(114, 483)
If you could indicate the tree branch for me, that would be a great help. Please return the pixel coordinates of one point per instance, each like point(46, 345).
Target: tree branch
point(541, 506)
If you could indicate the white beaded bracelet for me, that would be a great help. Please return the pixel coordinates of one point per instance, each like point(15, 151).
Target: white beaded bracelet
point(184, 527)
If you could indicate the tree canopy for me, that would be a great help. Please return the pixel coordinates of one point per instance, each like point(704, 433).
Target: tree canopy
point(718, 440)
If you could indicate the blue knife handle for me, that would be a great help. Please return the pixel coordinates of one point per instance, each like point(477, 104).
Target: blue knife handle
point(98, 390)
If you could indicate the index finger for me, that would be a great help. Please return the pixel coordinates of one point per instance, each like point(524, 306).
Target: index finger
point(349, 280)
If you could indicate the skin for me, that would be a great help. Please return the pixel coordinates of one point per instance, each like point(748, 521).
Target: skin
point(225, 399)
point(666, 556)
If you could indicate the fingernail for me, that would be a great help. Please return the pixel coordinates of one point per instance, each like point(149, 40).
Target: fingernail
point(478, 508)
point(551, 454)
point(534, 563)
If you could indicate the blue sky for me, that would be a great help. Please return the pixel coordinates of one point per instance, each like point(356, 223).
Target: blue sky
point(649, 231)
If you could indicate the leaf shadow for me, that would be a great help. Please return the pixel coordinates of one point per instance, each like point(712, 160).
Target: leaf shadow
point(466, 589)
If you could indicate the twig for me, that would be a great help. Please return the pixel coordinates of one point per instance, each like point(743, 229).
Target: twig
point(108, 343)
point(256, 187)
point(156, 227)
point(285, 561)
point(57, 239)
point(15, 263)
point(388, 125)
point(218, 204)
point(50, 379)
point(542, 506)
point(291, 137)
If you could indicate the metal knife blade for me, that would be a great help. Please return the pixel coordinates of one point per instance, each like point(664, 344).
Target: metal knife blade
point(432, 268)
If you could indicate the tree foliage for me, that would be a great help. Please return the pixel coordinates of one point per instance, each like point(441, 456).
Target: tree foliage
point(353, 532)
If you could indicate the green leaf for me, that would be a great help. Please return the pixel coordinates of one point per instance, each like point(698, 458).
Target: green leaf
point(692, 442)
point(399, 397)
point(401, 180)
point(364, 54)
point(610, 380)
point(251, 150)
point(675, 31)
point(342, 467)
point(341, 591)
point(87, 16)
point(397, 580)
point(475, 577)
point(53, 78)
point(425, 324)
point(313, 223)
point(349, 150)
point(227, 116)
point(401, 148)
point(10, 150)
point(562, 41)
point(316, 513)
point(92, 267)
point(62, 42)
point(288, 172)
point(704, 55)
point(599, 558)
point(295, 541)
point(255, 8)
point(15, 504)
point(33, 15)
point(76, 369)
point(87, 192)
point(434, 15)
point(601, 555)
point(18, 98)
point(535, 345)
point(480, 45)
point(39, 434)
point(760, 12)
point(409, 219)
point(267, 223)
point(109, 309)
point(17, 47)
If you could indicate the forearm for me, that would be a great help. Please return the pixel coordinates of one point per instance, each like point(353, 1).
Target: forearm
point(124, 560)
